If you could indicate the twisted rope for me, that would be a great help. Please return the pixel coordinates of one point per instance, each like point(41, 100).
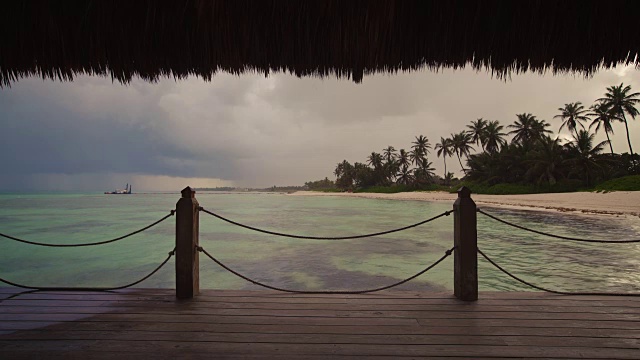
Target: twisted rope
point(13, 296)
point(171, 253)
point(171, 213)
point(524, 282)
point(255, 282)
point(558, 236)
point(446, 213)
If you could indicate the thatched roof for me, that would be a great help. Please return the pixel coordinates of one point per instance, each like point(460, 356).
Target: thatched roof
point(150, 39)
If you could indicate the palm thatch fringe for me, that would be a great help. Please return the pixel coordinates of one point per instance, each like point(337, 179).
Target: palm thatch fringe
point(350, 39)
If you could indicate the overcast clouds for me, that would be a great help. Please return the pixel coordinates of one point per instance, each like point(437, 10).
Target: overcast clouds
point(92, 134)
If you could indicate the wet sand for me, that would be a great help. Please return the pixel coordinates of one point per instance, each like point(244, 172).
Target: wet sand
point(619, 203)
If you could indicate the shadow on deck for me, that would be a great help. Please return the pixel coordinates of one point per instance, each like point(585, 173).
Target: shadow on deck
point(151, 323)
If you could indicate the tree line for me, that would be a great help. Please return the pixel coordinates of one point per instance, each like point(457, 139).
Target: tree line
point(532, 156)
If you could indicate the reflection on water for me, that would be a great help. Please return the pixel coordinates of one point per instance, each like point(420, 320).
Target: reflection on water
point(306, 264)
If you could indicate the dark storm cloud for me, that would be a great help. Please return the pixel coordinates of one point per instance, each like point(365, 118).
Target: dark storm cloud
point(258, 131)
point(46, 131)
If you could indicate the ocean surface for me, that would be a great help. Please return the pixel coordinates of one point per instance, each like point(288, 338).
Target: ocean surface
point(305, 264)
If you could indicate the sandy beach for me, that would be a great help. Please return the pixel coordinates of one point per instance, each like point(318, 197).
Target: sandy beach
point(621, 203)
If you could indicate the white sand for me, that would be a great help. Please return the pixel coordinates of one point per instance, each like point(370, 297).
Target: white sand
point(620, 203)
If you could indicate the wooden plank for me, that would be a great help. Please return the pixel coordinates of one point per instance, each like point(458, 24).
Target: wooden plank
point(598, 324)
point(335, 300)
point(253, 324)
point(316, 312)
point(441, 301)
point(337, 305)
point(44, 306)
point(381, 295)
point(420, 296)
point(544, 295)
point(125, 355)
point(185, 349)
point(322, 321)
point(413, 339)
point(12, 326)
point(168, 319)
point(390, 294)
point(311, 328)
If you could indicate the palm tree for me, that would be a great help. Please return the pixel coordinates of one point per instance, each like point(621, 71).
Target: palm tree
point(572, 114)
point(477, 131)
point(375, 160)
point(389, 153)
point(540, 129)
point(583, 155)
point(494, 137)
point(338, 171)
point(416, 158)
point(404, 176)
point(403, 158)
point(423, 174)
point(621, 102)
point(527, 129)
point(363, 175)
point(448, 178)
point(461, 145)
point(603, 116)
point(484, 167)
point(444, 148)
point(341, 168)
point(390, 170)
point(546, 161)
point(344, 175)
point(420, 147)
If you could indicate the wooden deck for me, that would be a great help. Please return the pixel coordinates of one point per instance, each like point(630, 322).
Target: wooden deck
point(150, 323)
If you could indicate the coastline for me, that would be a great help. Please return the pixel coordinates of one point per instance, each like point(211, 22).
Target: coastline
point(619, 203)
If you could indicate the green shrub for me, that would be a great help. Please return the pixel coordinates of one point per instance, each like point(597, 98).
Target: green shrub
point(517, 189)
point(332, 190)
point(385, 189)
point(626, 183)
point(402, 188)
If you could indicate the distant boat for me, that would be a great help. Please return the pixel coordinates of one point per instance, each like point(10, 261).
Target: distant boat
point(127, 190)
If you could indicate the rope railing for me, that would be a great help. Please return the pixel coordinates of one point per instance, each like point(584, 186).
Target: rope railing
point(446, 213)
point(466, 221)
point(330, 292)
point(524, 282)
point(558, 236)
point(42, 288)
point(171, 213)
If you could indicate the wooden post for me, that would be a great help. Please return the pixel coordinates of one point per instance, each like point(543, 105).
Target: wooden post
point(465, 278)
point(187, 229)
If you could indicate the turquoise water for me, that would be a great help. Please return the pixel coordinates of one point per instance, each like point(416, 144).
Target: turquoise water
point(304, 264)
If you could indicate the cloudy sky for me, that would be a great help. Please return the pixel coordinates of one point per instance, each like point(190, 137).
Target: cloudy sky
point(95, 135)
